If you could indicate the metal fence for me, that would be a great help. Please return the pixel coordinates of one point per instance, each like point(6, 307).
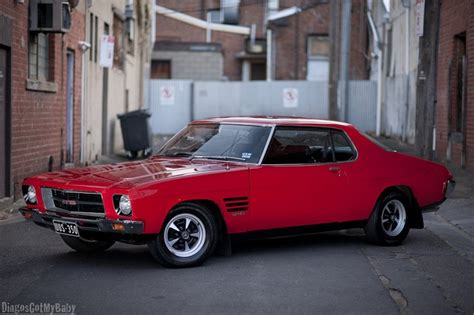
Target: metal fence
point(174, 103)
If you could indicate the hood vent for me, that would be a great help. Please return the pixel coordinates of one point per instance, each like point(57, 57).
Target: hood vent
point(236, 204)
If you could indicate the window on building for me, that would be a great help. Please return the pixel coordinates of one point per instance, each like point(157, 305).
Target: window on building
point(273, 6)
point(160, 69)
point(91, 36)
point(118, 44)
point(96, 38)
point(130, 23)
point(258, 71)
point(458, 85)
point(214, 16)
point(318, 58)
point(38, 57)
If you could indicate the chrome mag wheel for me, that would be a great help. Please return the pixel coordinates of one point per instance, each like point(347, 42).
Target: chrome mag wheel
point(393, 217)
point(184, 235)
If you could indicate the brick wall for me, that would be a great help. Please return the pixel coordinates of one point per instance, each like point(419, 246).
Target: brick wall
point(291, 47)
point(38, 118)
point(456, 17)
point(193, 65)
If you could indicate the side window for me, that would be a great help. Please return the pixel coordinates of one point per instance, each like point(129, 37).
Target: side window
point(343, 149)
point(291, 145)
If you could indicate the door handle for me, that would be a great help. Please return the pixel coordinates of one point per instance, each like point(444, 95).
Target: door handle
point(334, 169)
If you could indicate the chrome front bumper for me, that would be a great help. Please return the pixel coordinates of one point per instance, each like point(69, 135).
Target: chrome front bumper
point(450, 188)
point(99, 225)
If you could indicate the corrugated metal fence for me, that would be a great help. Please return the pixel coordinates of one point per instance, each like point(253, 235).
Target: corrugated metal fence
point(174, 103)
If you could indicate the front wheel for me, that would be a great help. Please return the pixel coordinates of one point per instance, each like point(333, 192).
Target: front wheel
point(188, 238)
point(85, 245)
point(388, 223)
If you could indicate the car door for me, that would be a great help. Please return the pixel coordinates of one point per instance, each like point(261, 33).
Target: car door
point(299, 183)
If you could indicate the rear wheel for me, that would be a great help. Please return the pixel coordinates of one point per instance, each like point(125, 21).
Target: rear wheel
point(188, 238)
point(85, 245)
point(388, 223)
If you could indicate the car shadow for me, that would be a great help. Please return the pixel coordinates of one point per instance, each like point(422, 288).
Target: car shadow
point(344, 238)
point(124, 257)
point(119, 256)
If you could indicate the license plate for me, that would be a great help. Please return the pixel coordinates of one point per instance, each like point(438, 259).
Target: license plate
point(66, 228)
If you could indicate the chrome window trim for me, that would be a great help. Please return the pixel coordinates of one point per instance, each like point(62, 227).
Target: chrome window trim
point(316, 164)
point(264, 151)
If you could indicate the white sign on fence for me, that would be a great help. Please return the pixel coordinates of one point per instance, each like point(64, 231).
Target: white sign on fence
point(107, 51)
point(167, 95)
point(419, 17)
point(290, 97)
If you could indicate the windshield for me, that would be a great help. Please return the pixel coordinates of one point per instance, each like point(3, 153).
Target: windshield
point(219, 141)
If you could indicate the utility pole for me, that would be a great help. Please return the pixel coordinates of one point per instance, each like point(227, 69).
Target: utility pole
point(333, 69)
point(426, 82)
point(344, 59)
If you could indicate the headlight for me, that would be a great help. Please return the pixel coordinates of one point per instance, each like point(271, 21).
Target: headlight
point(29, 194)
point(124, 207)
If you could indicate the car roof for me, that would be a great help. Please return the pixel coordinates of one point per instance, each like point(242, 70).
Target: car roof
point(275, 120)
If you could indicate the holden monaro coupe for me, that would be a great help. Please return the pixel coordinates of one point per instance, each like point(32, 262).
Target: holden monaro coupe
point(239, 176)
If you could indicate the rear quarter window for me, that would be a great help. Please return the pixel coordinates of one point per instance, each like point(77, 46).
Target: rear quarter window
point(343, 148)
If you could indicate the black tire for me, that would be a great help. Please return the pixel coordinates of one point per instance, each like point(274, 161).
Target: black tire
point(86, 246)
point(383, 227)
point(202, 223)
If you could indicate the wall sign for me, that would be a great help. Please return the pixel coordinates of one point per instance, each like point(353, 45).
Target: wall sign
point(107, 51)
point(167, 95)
point(290, 97)
point(419, 17)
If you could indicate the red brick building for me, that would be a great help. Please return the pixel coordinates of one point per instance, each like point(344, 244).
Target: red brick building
point(40, 96)
point(455, 97)
point(301, 43)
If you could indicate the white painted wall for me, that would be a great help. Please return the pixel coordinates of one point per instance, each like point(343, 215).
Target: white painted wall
point(398, 115)
point(131, 78)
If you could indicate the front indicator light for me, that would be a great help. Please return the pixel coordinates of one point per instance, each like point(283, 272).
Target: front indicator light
point(28, 215)
point(119, 227)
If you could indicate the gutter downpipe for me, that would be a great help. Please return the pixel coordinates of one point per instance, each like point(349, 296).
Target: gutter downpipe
point(407, 68)
point(379, 53)
point(269, 54)
point(84, 73)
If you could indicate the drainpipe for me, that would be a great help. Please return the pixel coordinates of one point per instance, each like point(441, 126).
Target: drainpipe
point(344, 55)
point(269, 54)
point(378, 52)
point(84, 46)
point(406, 4)
point(83, 114)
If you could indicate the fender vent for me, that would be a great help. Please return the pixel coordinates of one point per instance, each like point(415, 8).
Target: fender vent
point(236, 204)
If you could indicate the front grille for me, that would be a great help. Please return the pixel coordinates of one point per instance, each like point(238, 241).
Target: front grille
point(75, 202)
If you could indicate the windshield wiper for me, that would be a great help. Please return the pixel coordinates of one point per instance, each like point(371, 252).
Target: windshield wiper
point(218, 157)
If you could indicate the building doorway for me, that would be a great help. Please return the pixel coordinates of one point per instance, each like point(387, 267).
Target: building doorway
point(4, 123)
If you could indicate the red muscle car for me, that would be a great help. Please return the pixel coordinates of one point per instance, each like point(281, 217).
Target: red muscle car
point(239, 176)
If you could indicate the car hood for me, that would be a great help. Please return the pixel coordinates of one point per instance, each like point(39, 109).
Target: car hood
point(130, 174)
